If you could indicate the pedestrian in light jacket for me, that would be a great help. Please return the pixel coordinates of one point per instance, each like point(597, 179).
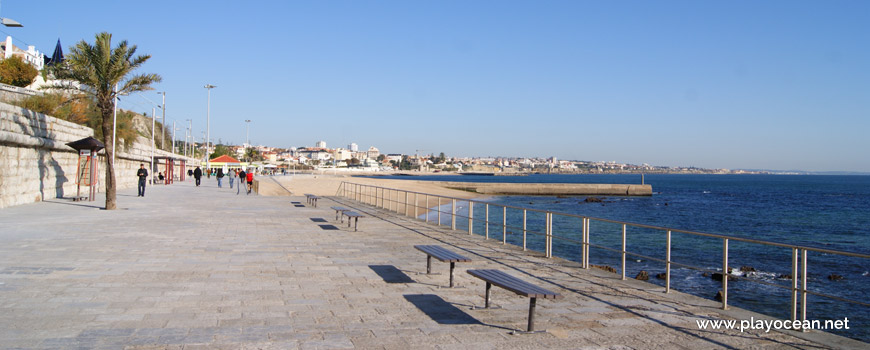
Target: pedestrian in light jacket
point(232, 176)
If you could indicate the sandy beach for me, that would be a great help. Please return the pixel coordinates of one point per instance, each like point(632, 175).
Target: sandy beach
point(328, 185)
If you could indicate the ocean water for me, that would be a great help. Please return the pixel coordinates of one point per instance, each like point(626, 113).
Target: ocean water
point(831, 212)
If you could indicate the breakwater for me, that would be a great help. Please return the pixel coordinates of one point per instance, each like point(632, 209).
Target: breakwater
point(551, 189)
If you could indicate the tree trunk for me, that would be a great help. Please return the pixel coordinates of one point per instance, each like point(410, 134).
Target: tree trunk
point(106, 111)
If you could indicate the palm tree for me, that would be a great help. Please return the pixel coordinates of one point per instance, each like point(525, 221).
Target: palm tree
point(98, 69)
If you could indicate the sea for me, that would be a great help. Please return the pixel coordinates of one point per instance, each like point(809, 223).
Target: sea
point(823, 211)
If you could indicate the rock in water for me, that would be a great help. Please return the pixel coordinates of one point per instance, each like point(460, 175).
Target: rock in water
point(719, 296)
point(604, 267)
point(643, 276)
point(662, 276)
point(747, 269)
point(717, 276)
point(835, 277)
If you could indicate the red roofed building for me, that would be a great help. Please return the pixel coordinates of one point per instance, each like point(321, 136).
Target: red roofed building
point(224, 159)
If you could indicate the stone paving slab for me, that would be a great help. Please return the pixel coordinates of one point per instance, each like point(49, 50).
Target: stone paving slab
point(204, 268)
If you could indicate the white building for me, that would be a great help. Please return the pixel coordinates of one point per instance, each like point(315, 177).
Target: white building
point(373, 153)
point(32, 55)
point(342, 154)
point(320, 144)
point(353, 147)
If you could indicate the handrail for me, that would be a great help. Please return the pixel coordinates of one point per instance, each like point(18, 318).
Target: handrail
point(653, 227)
point(392, 199)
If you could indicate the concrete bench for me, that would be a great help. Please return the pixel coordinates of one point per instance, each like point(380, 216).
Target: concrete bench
point(443, 255)
point(352, 215)
point(516, 285)
point(312, 199)
point(339, 211)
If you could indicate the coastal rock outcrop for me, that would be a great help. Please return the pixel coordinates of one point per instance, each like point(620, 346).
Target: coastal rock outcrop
point(605, 268)
point(717, 276)
point(643, 276)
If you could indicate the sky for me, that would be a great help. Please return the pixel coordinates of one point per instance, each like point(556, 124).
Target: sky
point(781, 85)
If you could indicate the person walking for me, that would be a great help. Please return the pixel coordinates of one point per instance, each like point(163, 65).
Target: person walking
point(250, 178)
point(220, 177)
point(232, 177)
point(197, 174)
point(242, 178)
point(143, 177)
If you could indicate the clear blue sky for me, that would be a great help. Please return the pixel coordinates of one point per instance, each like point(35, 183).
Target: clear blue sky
point(736, 84)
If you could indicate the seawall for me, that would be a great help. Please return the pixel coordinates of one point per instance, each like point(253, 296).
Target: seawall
point(36, 163)
point(548, 189)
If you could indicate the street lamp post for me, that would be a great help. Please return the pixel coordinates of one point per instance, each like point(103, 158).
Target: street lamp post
point(208, 124)
point(163, 120)
point(247, 135)
point(10, 23)
point(153, 124)
point(173, 137)
point(114, 123)
point(189, 132)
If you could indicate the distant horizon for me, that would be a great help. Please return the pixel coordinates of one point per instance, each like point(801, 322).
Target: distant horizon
point(738, 85)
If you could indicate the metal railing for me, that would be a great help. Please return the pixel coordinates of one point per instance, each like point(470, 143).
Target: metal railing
point(400, 201)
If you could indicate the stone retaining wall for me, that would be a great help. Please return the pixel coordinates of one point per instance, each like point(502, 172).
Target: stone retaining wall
point(36, 163)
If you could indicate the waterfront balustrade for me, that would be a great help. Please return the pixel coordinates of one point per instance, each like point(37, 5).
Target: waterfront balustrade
point(537, 226)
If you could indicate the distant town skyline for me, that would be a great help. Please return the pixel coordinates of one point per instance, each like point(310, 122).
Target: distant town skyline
point(780, 85)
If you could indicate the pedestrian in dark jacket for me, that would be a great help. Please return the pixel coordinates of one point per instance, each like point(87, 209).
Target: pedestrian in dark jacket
point(197, 174)
point(242, 175)
point(143, 177)
point(220, 177)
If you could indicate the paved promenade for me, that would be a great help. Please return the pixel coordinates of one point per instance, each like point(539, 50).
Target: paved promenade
point(204, 268)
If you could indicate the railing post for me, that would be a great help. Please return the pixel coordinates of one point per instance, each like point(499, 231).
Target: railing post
point(725, 274)
point(668, 264)
point(453, 215)
point(804, 278)
point(794, 283)
point(549, 240)
point(524, 229)
point(486, 221)
point(623, 251)
point(503, 225)
point(588, 239)
point(583, 243)
point(405, 211)
point(416, 207)
point(427, 209)
point(439, 211)
point(470, 217)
